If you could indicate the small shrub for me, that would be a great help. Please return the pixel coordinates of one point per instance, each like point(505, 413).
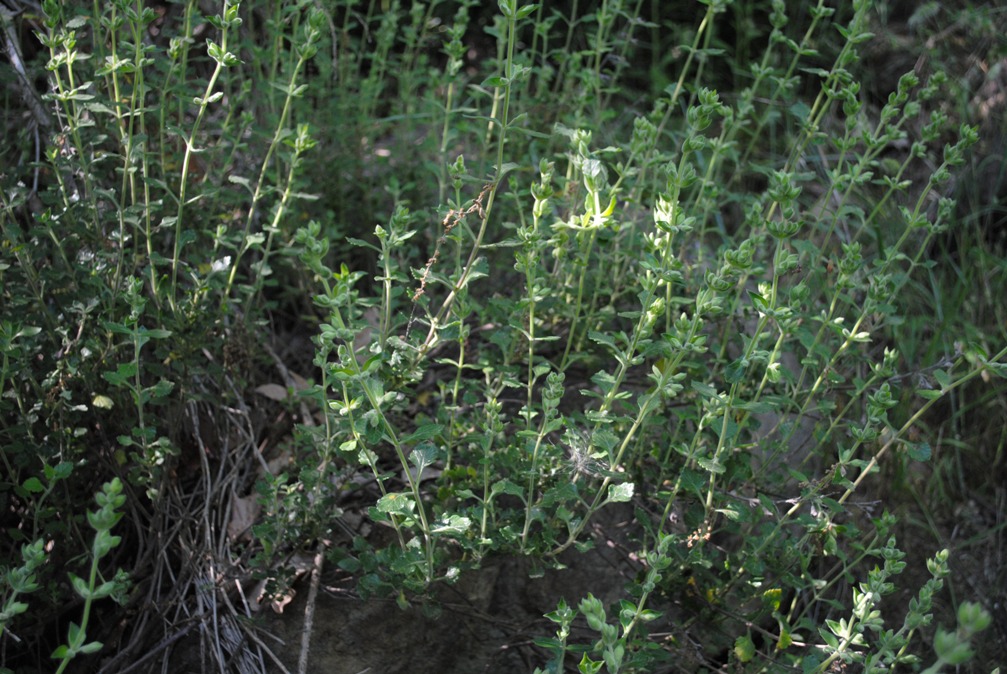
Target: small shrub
point(684, 297)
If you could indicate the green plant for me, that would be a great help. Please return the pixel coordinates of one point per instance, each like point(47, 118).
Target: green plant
point(691, 297)
point(130, 280)
point(110, 501)
point(953, 648)
point(21, 580)
point(707, 367)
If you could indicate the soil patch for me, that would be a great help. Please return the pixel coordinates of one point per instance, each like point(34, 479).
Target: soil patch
point(485, 622)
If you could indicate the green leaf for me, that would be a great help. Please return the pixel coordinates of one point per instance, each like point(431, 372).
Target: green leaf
point(103, 540)
point(75, 635)
point(11, 609)
point(859, 337)
point(424, 455)
point(649, 615)
point(80, 587)
point(396, 503)
point(562, 614)
point(736, 370)
point(61, 471)
point(549, 643)
point(102, 402)
point(761, 303)
point(711, 465)
point(122, 376)
point(526, 10)
point(744, 648)
point(564, 493)
point(241, 180)
point(837, 627)
point(810, 663)
point(506, 487)
point(455, 524)
point(705, 390)
point(759, 407)
point(800, 110)
point(33, 485)
point(919, 451)
point(772, 596)
point(350, 564)
point(362, 244)
point(507, 167)
point(734, 514)
point(693, 481)
point(104, 590)
point(589, 666)
point(620, 493)
point(161, 389)
point(786, 639)
point(999, 369)
point(424, 432)
point(829, 638)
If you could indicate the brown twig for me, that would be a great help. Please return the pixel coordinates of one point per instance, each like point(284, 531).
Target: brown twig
point(309, 610)
point(161, 646)
point(451, 220)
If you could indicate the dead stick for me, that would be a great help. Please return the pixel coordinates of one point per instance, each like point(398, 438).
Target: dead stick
point(165, 643)
point(250, 631)
point(309, 610)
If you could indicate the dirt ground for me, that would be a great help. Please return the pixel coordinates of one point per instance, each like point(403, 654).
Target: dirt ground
point(488, 620)
point(485, 622)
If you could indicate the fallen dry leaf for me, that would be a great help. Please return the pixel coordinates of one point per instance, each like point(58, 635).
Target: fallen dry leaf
point(273, 391)
point(244, 511)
